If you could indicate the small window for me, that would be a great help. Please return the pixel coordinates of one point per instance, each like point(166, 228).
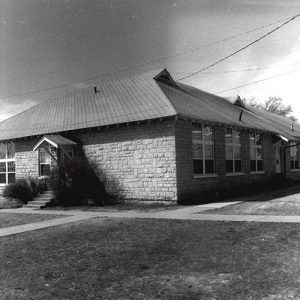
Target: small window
point(45, 162)
point(203, 150)
point(294, 157)
point(256, 156)
point(233, 151)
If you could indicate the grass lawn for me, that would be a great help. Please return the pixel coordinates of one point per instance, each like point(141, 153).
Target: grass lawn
point(279, 202)
point(152, 259)
point(11, 219)
point(123, 206)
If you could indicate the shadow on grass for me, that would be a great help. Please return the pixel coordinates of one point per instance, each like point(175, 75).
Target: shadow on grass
point(266, 190)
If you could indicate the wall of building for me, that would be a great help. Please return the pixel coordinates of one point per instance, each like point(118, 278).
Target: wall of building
point(291, 174)
point(26, 159)
point(153, 161)
point(189, 185)
point(137, 161)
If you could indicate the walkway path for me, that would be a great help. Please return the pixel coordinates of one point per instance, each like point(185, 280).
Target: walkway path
point(186, 213)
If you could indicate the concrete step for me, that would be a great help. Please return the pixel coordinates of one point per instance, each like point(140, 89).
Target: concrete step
point(43, 198)
point(39, 202)
point(34, 206)
point(47, 193)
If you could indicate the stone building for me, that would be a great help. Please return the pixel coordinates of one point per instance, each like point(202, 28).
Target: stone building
point(152, 137)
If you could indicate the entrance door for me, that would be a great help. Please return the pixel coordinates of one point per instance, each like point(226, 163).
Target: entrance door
point(277, 157)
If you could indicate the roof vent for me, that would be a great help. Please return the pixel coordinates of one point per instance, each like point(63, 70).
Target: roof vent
point(239, 102)
point(96, 91)
point(165, 77)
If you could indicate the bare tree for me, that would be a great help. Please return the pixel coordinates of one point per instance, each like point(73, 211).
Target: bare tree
point(274, 105)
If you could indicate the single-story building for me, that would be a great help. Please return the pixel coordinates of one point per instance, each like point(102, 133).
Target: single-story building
point(152, 137)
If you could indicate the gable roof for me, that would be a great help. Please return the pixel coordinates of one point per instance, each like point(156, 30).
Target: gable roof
point(56, 141)
point(136, 98)
point(125, 100)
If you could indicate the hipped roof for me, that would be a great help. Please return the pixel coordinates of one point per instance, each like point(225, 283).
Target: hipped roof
point(140, 97)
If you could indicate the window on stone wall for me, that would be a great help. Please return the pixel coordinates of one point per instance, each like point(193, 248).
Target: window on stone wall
point(233, 151)
point(44, 162)
point(294, 157)
point(7, 163)
point(256, 159)
point(203, 150)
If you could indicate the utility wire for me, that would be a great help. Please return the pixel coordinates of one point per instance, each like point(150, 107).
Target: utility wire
point(128, 114)
point(258, 81)
point(242, 70)
point(241, 49)
point(148, 62)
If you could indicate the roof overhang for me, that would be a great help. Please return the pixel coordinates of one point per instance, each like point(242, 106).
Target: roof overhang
point(56, 141)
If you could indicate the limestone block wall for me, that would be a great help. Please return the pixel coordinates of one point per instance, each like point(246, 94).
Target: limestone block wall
point(26, 159)
point(137, 161)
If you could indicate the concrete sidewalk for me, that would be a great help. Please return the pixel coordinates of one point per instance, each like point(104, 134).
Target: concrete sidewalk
point(186, 213)
point(41, 225)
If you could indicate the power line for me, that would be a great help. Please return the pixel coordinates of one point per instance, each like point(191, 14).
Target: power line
point(258, 81)
point(145, 110)
point(241, 49)
point(148, 62)
point(239, 71)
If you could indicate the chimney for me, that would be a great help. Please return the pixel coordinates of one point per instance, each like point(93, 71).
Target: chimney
point(241, 114)
point(96, 90)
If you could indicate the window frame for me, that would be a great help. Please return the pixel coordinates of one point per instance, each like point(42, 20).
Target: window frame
point(233, 144)
point(40, 164)
point(256, 146)
point(8, 160)
point(294, 156)
point(203, 143)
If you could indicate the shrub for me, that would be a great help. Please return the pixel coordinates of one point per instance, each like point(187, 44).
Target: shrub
point(37, 186)
point(76, 181)
point(19, 190)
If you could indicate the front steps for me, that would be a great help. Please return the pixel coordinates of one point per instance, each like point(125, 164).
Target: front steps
point(41, 200)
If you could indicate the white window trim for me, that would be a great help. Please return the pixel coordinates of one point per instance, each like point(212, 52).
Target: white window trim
point(203, 143)
point(233, 145)
point(255, 146)
point(294, 156)
point(39, 160)
point(6, 161)
point(257, 172)
point(235, 174)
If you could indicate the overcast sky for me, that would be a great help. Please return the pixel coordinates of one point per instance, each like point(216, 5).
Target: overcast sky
point(48, 43)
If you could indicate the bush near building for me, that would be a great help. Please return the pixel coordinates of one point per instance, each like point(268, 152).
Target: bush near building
point(76, 182)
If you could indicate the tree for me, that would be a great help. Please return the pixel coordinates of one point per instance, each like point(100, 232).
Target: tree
point(274, 105)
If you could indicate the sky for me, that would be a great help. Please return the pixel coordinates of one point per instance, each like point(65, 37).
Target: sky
point(50, 43)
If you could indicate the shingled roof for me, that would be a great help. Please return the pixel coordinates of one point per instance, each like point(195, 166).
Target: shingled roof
point(140, 97)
